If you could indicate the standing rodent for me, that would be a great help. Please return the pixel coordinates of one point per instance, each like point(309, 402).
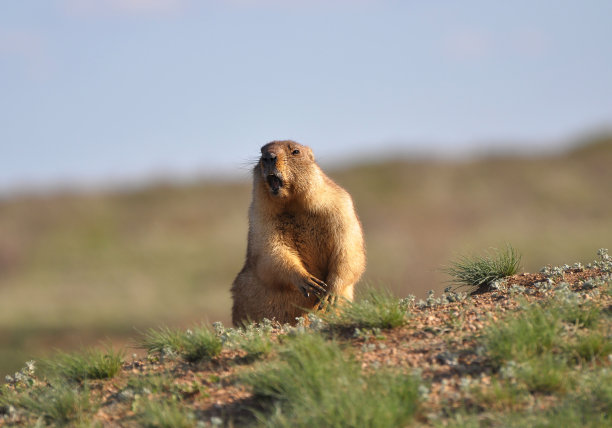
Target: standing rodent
point(305, 241)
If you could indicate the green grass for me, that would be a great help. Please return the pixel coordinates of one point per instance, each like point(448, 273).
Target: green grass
point(588, 406)
point(256, 344)
point(481, 271)
point(162, 384)
point(505, 404)
point(540, 345)
point(89, 364)
point(582, 315)
point(567, 416)
point(591, 346)
point(373, 309)
point(547, 373)
point(517, 338)
point(151, 383)
point(197, 344)
point(163, 340)
point(543, 328)
point(58, 404)
point(599, 389)
point(165, 414)
point(501, 395)
point(316, 383)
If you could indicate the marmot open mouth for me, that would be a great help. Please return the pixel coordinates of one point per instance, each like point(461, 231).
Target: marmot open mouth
point(274, 182)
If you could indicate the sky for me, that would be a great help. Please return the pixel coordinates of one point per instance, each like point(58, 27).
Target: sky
point(97, 91)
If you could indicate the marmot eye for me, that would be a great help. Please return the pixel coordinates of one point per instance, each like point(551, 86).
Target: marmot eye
point(295, 152)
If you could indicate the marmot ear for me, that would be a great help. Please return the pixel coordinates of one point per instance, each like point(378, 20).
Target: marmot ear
point(310, 153)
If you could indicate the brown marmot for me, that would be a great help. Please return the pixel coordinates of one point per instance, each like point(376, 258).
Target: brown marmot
point(305, 241)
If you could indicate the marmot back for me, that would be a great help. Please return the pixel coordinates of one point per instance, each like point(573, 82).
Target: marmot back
point(305, 241)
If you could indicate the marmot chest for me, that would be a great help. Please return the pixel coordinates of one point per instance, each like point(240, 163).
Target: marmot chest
point(309, 235)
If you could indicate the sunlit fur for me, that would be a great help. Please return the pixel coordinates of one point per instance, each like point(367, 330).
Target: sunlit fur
point(309, 228)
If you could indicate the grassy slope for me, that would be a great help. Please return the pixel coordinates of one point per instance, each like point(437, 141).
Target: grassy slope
point(535, 350)
point(76, 268)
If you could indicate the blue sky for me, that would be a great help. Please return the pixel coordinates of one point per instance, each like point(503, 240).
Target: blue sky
point(92, 91)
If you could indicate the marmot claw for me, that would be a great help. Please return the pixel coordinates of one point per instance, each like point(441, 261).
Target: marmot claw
point(313, 285)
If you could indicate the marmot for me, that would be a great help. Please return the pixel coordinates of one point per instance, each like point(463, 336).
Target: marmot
point(305, 242)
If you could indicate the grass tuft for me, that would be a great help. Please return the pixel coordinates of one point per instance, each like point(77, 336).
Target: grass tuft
point(162, 340)
point(481, 271)
point(90, 364)
point(590, 406)
point(539, 346)
point(582, 315)
point(501, 395)
point(546, 374)
point(375, 309)
point(59, 404)
point(166, 414)
point(256, 344)
point(530, 335)
point(592, 346)
point(316, 384)
point(200, 343)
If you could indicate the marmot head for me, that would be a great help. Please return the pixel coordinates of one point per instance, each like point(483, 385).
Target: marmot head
point(285, 168)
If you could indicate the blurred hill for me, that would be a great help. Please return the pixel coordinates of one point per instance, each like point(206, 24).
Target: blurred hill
point(76, 268)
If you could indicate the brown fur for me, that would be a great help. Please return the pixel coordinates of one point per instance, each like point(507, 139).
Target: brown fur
point(304, 239)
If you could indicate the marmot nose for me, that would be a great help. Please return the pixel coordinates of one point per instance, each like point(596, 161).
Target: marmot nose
point(269, 157)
